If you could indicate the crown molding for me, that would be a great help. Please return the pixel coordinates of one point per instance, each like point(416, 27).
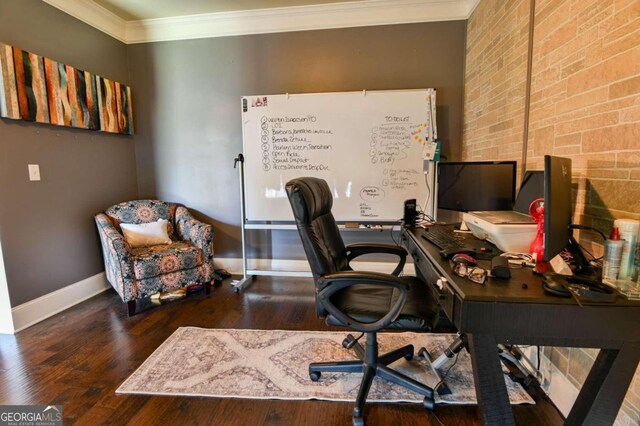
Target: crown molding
point(262, 21)
point(302, 18)
point(471, 6)
point(94, 15)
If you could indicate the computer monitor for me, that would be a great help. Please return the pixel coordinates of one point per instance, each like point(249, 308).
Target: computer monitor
point(558, 213)
point(557, 205)
point(476, 185)
point(531, 188)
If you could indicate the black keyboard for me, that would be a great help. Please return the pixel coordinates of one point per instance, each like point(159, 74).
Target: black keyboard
point(443, 238)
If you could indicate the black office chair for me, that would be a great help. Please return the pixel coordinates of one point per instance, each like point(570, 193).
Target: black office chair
point(363, 301)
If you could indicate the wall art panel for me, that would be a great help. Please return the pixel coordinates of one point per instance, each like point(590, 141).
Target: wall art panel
point(46, 91)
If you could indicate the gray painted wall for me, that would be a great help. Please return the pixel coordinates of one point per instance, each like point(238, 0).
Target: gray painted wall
point(46, 228)
point(187, 104)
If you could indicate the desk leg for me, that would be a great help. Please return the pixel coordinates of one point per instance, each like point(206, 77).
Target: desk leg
point(491, 391)
point(606, 386)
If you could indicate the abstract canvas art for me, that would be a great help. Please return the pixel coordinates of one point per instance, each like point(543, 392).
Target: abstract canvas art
point(40, 89)
point(114, 104)
point(8, 92)
point(72, 96)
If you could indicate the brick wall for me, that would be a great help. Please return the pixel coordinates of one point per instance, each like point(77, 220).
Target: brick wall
point(495, 80)
point(585, 105)
point(585, 102)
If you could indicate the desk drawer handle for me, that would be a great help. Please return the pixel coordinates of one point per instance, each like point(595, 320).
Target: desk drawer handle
point(441, 282)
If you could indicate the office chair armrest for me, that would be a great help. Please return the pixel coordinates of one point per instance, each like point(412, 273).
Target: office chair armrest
point(332, 283)
point(359, 249)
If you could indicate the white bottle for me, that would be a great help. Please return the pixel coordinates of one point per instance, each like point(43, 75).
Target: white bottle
point(612, 255)
point(629, 233)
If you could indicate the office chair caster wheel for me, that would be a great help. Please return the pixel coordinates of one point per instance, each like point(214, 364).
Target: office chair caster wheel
point(314, 376)
point(358, 421)
point(347, 343)
point(409, 356)
point(429, 403)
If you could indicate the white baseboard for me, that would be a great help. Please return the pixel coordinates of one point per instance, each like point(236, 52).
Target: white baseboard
point(558, 387)
point(6, 320)
point(234, 265)
point(555, 384)
point(43, 307)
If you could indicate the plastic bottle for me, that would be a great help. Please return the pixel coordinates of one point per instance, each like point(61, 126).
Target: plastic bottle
point(629, 233)
point(612, 255)
point(636, 264)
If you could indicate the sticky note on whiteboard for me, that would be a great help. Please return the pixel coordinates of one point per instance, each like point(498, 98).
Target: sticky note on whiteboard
point(429, 151)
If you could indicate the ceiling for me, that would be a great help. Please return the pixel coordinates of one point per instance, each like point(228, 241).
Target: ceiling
point(145, 21)
point(134, 10)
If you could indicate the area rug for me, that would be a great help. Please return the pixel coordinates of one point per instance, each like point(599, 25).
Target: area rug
point(273, 364)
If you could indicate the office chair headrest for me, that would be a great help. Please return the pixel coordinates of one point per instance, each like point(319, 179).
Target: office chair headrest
point(310, 198)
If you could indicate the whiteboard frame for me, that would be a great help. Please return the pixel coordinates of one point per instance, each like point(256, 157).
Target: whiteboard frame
point(434, 135)
point(249, 274)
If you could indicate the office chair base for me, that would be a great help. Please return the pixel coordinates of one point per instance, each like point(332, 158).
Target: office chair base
point(372, 365)
point(429, 403)
point(434, 364)
point(441, 387)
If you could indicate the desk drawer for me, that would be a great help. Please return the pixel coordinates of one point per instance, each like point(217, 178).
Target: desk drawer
point(446, 298)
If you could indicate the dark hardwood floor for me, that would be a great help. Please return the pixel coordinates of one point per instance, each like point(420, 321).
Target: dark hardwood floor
point(79, 357)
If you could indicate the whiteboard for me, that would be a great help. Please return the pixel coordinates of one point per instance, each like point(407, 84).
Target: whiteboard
point(368, 146)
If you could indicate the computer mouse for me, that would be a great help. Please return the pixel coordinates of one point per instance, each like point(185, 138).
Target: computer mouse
point(554, 287)
point(449, 253)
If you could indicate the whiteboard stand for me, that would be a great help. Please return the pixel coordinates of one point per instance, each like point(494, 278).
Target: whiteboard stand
point(246, 279)
point(249, 274)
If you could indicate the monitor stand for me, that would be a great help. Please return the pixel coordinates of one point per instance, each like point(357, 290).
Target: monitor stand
point(583, 267)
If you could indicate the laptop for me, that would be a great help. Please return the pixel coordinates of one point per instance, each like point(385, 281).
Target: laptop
point(532, 187)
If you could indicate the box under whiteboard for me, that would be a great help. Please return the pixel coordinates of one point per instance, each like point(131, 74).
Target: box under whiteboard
point(368, 146)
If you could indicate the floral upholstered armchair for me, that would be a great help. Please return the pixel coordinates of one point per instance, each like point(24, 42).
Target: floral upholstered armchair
point(139, 272)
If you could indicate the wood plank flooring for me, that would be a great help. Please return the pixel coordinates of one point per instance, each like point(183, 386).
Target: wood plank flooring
point(79, 357)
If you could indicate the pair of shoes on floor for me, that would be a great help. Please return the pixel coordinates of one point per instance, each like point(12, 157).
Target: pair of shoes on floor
point(221, 274)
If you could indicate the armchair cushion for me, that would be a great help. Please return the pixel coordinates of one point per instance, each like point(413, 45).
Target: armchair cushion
point(146, 234)
point(149, 262)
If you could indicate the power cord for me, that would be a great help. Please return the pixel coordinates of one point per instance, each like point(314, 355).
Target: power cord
point(423, 218)
point(437, 418)
point(426, 203)
point(519, 260)
point(393, 225)
point(589, 228)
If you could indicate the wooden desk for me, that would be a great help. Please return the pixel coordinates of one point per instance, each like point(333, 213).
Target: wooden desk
point(502, 311)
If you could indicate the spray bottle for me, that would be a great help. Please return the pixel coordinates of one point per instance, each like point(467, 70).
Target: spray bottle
point(612, 257)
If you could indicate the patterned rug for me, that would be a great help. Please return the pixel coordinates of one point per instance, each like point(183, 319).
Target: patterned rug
point(273, 364)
